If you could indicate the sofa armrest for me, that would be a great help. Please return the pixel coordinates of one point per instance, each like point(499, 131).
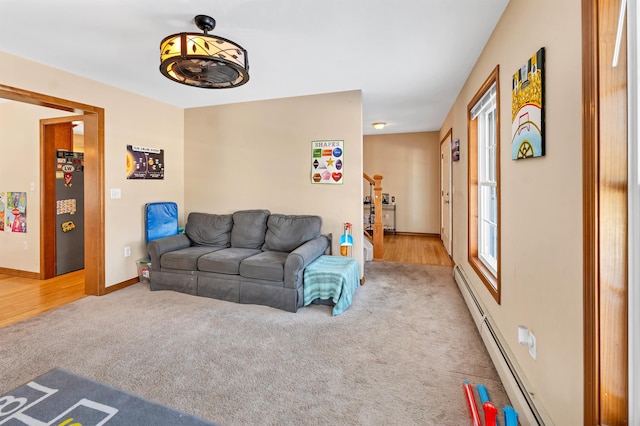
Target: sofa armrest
point(300, 258)
point(160, 246)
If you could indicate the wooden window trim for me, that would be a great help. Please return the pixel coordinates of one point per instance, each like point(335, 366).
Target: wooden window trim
point(604, 186)
point(491, 281)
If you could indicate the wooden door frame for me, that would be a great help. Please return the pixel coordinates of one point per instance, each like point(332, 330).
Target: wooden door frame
point(48, 196)
point(449, 134)
point(93, 118)
point(601, 154)
point(589, 208)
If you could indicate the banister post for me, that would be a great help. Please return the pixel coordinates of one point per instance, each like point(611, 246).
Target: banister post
point(378, 228)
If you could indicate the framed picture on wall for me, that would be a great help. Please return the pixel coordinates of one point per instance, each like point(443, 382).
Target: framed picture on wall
point(455, 150)
point(144, 162)
point(385, 198)
point(527, 106)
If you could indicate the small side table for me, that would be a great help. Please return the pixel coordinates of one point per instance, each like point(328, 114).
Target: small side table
point(332, 277)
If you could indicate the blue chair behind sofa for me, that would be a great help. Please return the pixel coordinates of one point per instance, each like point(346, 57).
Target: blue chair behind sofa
point(160, 220)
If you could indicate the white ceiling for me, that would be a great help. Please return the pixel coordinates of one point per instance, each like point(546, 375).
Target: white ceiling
point(410, 58)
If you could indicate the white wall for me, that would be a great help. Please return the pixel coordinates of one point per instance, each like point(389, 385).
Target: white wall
point(541, 221)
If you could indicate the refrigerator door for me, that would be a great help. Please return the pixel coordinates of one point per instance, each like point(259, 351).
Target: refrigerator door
point(69, 211)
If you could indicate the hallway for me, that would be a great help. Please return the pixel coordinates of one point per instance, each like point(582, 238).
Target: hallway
point(423, 249)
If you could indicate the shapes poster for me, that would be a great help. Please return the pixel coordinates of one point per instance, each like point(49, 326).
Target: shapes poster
point(527, 109)
point(145, 163)
point(327, 162)
point(16, 212)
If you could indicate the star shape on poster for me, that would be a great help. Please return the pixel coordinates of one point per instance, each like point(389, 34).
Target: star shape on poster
point(330, 162)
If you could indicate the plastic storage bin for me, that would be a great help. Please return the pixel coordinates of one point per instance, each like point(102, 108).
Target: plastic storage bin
point(144, 271)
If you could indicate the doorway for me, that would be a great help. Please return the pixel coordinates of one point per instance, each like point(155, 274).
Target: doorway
point(446, 207)
point(93, 118)
point(62, 168)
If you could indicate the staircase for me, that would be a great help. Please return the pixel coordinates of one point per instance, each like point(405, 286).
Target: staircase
point(377, 239)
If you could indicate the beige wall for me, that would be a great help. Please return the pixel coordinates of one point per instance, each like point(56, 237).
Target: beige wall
point(130, 119)
point(20, 147)
point(269, 142)
point(410, 166)
point(541, 222)
point(258, 155)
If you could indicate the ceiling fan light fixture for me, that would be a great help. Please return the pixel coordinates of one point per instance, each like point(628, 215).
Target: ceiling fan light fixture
point(204, 60)
point(379, 125)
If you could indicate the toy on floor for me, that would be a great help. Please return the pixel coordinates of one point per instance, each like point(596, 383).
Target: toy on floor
point(471, 403)
point(489, 408)
point(510, 416)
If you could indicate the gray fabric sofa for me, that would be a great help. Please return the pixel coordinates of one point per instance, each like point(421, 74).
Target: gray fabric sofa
point(250, 256)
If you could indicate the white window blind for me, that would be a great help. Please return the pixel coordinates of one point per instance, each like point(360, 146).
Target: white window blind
point(486, 101)
point(485, 112)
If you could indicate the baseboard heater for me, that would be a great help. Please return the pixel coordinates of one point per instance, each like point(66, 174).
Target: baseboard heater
point(521, 400)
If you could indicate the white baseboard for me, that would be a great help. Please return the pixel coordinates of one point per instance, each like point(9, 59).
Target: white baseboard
point(529, 412)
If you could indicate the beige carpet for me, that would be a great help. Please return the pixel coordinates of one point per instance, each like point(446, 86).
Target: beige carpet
point(397, 356)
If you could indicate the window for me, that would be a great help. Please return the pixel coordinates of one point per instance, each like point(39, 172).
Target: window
point(484, 184)
point(487, 183)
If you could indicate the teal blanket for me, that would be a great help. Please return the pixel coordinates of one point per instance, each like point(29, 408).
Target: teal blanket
point(332, 277)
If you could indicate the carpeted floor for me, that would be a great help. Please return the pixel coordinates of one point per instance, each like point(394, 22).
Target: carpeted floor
point(397, 356)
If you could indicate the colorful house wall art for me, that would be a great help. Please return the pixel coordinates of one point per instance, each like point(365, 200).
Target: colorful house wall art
point(527, 109)
point(16, 212)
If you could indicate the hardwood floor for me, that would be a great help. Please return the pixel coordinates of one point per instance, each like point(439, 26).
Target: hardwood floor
point(423, 249)
point(22, 298)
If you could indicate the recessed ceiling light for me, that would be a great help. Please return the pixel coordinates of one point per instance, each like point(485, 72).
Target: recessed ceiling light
point(379, 125)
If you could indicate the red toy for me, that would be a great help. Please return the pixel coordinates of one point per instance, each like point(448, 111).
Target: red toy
point(471, 403)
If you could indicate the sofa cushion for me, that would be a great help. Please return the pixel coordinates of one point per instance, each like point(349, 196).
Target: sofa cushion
point(249, 227)
point(286, 233)
point(185, 259)
point(225, 261)
point(205, 229)
point(268, 265)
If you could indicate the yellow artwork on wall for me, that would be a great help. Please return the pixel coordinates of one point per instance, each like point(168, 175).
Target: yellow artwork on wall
point(527, 109)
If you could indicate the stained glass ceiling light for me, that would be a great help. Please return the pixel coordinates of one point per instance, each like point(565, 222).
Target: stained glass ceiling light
point(203, 60)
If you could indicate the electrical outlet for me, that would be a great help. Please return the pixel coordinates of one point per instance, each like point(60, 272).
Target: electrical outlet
point(532, 345)
point(528, 339)
point(127, 251)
